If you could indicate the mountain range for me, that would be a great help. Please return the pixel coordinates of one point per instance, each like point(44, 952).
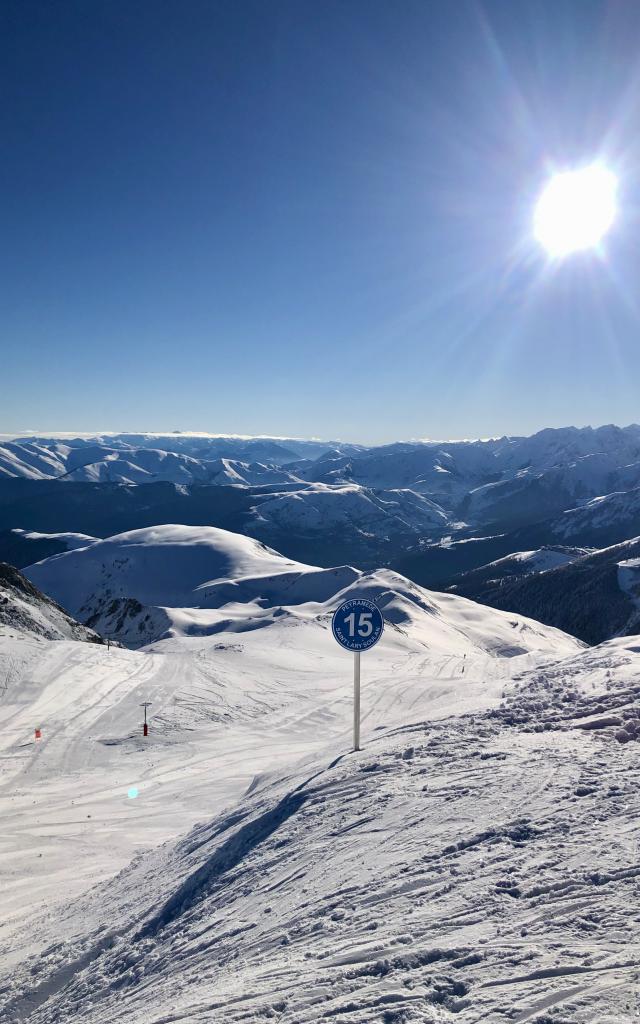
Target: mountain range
point(593, 595)
point(429, 510)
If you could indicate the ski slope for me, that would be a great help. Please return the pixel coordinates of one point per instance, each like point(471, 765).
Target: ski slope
point(476, 861)
point(222, 712)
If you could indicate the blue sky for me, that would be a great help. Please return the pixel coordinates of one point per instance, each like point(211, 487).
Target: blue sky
point(312, 218)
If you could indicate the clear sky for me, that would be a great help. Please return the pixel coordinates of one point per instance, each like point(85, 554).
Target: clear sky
point(312, 217)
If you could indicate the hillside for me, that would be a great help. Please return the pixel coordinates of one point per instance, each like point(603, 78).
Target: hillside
point(475, 861)
point(24, 610)
point(594, 597)
point(482, 583)
point(171, 581)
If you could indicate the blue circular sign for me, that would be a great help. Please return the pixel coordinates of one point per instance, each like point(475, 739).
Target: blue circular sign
point(357, 624)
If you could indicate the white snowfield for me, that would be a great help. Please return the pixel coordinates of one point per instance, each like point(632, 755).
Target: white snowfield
point(540, 560)
point(476, 861)
point(70, 540)
point(170, 581)
point(322, 507)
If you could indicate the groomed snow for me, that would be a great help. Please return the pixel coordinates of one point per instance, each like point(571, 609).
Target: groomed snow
point(476, 861)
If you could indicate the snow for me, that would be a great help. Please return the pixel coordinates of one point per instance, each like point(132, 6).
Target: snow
point(70, 540)
point(321, 507)
point(170, 581)
point(463, 866)
point(539, 560)
point(600, 512)
point(476, 861)
point(32, 461)
point(157, 565)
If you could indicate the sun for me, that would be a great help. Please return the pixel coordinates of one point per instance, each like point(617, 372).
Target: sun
point(575, 210)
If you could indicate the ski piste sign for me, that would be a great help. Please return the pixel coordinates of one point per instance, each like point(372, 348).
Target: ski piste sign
point(357, 625)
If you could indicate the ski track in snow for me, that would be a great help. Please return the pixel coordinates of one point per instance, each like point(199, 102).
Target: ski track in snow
point(476, 861)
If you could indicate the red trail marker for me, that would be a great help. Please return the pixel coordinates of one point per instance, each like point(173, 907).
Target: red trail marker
point(145, 729)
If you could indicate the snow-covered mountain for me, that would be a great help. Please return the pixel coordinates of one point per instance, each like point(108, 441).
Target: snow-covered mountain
point(344, 522)
point(482, 476)
point(138, 458)
point(483, 581)
point(331, 502)
point(602, 518)
point(68, 541)
point(177, 581)
point(101, 464)
point(595, 596)
point(26, 610)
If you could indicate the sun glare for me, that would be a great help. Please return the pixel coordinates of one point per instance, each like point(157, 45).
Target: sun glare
point(575, 210)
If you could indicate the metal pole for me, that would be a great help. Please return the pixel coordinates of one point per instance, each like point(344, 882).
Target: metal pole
point(356, 700)
point(145, 729)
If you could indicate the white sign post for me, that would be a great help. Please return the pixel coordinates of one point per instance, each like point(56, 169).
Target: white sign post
point(356, 701)
point(357, 625)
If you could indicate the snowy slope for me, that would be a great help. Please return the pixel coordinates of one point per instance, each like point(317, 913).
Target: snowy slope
point(235, 472)
point(524, 562)
point(481, 584)
point(593, 596)
point(24, 610)
point(476, 861)
point(460, 868)
point(71, 541)
point(157, 566)
point(600, 516)
point(320, 508)
point(199, 581)
point(32, 461)
point(223, 709)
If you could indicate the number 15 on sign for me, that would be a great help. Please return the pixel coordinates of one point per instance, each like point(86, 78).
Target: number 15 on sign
point(357, 625)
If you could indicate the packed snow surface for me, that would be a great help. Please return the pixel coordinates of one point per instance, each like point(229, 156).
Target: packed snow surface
point(476, 861)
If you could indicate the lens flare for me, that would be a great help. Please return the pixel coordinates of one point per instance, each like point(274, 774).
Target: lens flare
point(575, 210)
